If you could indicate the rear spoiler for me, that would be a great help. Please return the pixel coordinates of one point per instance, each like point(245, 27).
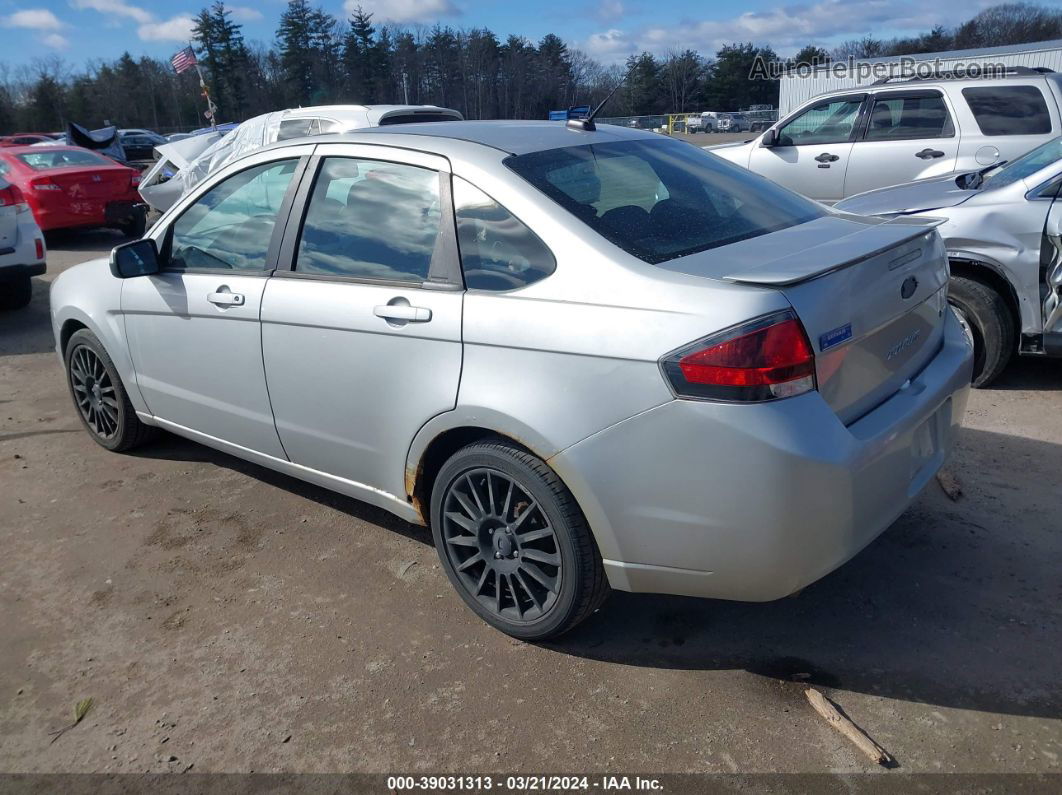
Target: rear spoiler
point(811, 263)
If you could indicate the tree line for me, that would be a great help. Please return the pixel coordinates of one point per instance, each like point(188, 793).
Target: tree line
point(319, 59)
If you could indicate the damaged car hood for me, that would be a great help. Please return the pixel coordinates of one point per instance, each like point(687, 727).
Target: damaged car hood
point(910, 197)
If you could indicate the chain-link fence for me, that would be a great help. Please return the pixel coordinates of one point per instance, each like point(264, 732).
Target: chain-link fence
point(710, 122)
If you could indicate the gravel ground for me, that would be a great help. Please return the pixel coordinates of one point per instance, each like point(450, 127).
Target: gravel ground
point(230, 618)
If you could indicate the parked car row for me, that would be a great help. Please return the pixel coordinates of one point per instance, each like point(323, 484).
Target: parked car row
point(963, 145)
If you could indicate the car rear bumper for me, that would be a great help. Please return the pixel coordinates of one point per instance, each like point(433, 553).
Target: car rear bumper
point(754, 502)
point(81, 214)
point(16, 270)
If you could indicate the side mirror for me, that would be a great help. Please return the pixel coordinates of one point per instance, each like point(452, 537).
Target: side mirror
point(138, 258)
point(770, 138)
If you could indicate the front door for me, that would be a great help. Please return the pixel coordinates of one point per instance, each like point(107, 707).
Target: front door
point(812, 149)
point(362, 336)
point(194, 332)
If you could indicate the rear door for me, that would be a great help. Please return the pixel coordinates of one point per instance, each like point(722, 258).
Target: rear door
point(361, 324)
point(907, 135)
point(813, 148)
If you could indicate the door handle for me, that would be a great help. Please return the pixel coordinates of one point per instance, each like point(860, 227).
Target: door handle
point(929, 154)
point(225, 298)
point(403, 313)
point(826, 157)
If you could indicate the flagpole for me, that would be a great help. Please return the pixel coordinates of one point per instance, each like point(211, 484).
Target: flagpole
point(212, 109)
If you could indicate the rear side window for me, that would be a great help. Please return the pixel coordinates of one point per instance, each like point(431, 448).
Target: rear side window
point(898, 118)
point(1009, 110)
point(498, 252)
point(297, 128)
point(369, 219)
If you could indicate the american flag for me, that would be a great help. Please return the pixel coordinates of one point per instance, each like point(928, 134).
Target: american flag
point(183, 60)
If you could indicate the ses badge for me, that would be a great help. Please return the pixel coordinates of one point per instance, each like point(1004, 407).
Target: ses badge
point(835, 337)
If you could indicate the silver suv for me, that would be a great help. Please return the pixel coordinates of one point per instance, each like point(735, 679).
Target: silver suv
point(848, 142)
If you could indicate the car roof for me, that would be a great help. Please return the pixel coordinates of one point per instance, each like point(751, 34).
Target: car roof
point(512, 137)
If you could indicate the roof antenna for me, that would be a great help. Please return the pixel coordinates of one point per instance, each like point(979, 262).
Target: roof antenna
point(587, 124)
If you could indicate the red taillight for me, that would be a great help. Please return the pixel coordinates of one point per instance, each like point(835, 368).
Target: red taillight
point(135, 180)
point(10, 195)
point(764, 359)
point(40, 248)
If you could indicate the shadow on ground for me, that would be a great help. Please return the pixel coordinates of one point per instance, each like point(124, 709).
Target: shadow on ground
point(955, 605)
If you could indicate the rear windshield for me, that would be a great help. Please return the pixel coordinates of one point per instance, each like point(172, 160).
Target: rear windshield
point(662, 199)
point(63, 158)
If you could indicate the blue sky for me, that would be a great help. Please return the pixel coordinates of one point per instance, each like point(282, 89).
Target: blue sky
point(80, 30)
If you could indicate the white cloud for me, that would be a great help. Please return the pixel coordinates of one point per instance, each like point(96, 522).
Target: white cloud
point(403, 10)
point(32, 19)
point(244, 13)
point(610, 10)
point(56, 41)
point(117, 8)
point(179, 28)
point(785, 28)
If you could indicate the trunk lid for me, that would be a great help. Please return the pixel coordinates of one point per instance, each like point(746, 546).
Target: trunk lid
point(871, 295)
point(102, 184)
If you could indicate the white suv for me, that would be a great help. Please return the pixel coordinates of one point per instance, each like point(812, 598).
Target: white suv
point(847, 142)
point(21, 248)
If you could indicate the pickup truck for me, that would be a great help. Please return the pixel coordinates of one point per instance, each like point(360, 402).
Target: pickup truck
point(700, 123)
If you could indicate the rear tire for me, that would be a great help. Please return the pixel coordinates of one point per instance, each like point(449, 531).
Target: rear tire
point(989, 321)
point(514, 543)
point(99, 395)
point(16, 293)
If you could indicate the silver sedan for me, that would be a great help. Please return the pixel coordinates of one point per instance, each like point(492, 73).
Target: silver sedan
point(1003, 230)
point(586, 359)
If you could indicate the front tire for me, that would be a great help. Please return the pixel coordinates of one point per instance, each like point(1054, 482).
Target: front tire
point(988, 320)
point(100, 397)
point(16, 293)
point(514, 543)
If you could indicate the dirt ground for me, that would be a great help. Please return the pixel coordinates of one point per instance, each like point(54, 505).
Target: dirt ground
point(228, 618)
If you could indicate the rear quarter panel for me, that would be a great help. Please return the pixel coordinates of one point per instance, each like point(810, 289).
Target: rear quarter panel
point(560, 360)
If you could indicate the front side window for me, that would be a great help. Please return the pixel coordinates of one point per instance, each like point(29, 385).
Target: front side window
point(230, 226)
point(829, 122)
point(1009, 110)
point(369, 219)
point(899, 118)
point(662, 199)
point(497, 251)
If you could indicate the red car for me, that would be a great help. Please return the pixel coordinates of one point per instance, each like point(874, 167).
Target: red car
point(67, 186)
point(24, 139)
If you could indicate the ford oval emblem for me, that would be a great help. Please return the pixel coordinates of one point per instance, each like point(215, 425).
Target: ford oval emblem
point(907, 289)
